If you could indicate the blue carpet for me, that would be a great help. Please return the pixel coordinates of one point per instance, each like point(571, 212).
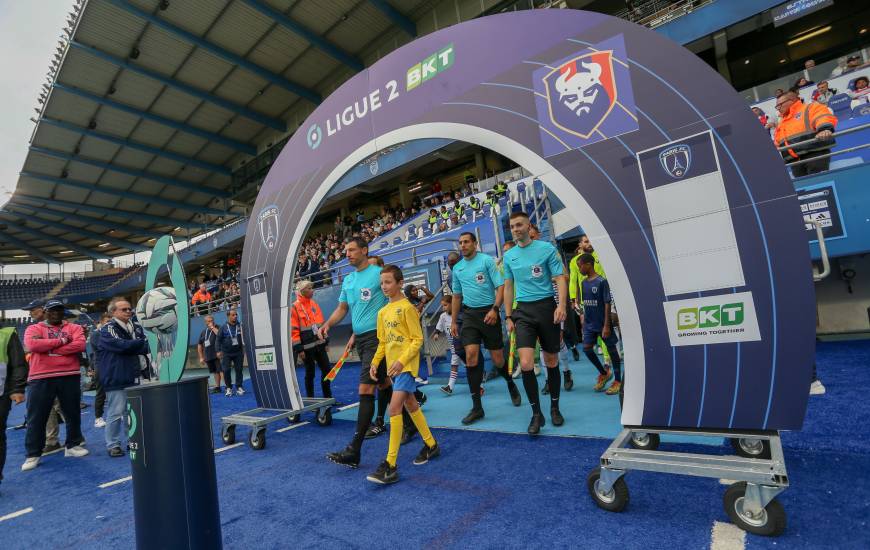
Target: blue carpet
point(587, 413)
point(487, 490)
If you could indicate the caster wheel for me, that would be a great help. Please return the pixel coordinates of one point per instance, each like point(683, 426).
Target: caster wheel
point(769, 523)
point(751, 448)
point(614, 500)
point(228, 434)
point(644, 441)
point(324, 417)
point(295, 419)
point(257, 440)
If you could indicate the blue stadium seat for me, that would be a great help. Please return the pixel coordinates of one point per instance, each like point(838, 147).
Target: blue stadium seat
point(861, 110)
point(538, 187)
point(384, 244)
point(397, 240)
point(486, 211)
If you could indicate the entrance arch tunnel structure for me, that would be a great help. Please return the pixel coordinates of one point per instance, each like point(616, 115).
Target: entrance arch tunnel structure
point(652, 152)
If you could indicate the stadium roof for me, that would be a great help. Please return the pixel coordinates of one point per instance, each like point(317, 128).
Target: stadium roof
point(150, 104)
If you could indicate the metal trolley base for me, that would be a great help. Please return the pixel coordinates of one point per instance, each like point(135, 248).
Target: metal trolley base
point(259, 418)
point(757, 471)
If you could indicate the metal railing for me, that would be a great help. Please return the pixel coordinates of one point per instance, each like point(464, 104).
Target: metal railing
point(828, 155)
point(222, 304)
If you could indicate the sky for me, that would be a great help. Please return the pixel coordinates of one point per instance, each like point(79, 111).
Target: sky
point(29, 32)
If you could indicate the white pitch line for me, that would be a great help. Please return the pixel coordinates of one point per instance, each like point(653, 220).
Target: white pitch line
point(351, 406)
point(727, 481)
point(227, 448)
point(727, 536)
point(293, 427)
point(16, 514)
point(116, 482)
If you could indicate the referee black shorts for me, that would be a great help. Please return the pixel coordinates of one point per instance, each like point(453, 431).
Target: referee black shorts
point(533, 322)
point(366, 346)
point(475, 331)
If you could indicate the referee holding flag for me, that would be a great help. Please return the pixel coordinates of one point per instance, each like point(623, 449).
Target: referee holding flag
point(530, 268)
point(478, 288)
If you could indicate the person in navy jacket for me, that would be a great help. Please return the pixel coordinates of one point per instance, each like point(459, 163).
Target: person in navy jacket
point(121, 343)
point(231, 352)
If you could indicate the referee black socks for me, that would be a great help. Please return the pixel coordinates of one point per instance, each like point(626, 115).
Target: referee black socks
point(530, 383)
point(363, 420)
point(554, 383)
point(475, 379)
point(384, 397)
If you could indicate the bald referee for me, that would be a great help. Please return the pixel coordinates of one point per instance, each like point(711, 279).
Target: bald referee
point(478, 289)
point(530, 268)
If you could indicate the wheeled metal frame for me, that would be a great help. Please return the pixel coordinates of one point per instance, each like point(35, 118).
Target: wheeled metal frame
point(765, 478)
point(259, 418)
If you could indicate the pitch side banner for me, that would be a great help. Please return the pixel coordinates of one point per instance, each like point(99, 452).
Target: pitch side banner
point(653, 154)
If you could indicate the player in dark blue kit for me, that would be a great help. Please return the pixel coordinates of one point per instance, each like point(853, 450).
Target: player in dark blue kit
point(595, 292)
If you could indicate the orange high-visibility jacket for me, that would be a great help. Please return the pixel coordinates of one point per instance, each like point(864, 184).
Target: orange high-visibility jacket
point(801, 123)
point(303, 315)
point(201, 297)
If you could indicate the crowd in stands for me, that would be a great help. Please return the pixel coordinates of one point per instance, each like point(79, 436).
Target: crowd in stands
point(217, 291)
point(447, 209)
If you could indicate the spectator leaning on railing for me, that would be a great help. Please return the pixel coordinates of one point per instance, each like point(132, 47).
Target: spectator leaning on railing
point(807, 131)
point(201, 297)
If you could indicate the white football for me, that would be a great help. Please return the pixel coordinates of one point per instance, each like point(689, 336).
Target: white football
point(156, 309)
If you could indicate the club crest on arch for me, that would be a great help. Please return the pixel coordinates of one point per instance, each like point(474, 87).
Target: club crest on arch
point(584, 97)
point(267, 221)
point(676, 160)
point(581, 93)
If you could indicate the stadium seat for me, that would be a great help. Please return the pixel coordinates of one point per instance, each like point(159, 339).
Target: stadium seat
point(538, 187)
point(861, 110)
point(397, 240)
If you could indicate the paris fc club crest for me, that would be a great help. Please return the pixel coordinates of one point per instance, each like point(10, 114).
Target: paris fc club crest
point(267, 221)
point(676, 160)
point(585, 97)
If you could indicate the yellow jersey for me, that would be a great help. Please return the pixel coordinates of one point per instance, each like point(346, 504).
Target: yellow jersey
point(400, 336)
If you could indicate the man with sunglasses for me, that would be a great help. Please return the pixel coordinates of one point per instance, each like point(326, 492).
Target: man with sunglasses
point(120, 345)
point(231, 352)
point(807, 131)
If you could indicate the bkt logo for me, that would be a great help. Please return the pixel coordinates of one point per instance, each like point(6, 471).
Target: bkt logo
point(710, 316)
point(581, 93)
point(676, 160)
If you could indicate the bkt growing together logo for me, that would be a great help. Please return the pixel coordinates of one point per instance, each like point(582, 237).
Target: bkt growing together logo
point(726, 315)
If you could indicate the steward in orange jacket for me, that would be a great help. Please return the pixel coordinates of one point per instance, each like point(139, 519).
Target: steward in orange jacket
point(305, 321)
point(807, 131)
